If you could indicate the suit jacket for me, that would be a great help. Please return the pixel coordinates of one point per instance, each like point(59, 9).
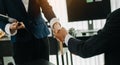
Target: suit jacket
point(106, 41)
point(34, 25)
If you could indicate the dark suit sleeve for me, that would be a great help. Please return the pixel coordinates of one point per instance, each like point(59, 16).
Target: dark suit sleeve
point(95, 45)
point(106, 39)
point(3, 20)
point(47, 10)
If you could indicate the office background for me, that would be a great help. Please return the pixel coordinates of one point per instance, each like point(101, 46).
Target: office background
point(60, 9)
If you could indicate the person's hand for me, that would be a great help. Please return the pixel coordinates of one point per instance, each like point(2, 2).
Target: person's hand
point(60, 35)
point(56, 27)
point(56, 30)
point(15, 26)
point(20, 25)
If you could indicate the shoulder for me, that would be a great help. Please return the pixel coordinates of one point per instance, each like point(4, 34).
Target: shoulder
point(114, 14)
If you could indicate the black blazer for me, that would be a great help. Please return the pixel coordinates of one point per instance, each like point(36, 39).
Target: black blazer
point(107, 41)
point(34, 25)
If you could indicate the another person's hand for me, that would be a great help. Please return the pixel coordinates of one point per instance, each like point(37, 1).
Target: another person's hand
point(61, 34)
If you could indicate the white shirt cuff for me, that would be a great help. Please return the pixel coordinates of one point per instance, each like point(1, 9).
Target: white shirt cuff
point(53, 21)
point(7, 30)
point(67, 37)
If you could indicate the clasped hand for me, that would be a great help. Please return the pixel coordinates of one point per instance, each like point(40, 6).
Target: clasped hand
point(59, 32)
point(16, 25)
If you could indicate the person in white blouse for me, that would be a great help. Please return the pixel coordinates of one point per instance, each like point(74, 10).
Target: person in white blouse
point(28, 31)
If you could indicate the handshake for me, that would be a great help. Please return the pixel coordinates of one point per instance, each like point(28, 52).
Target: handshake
point(59, 32)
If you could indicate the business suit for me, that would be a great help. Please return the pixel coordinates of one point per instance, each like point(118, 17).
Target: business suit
point(30, 43)
point(106, 41)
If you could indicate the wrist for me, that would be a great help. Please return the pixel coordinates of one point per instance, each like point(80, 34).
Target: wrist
point(67, 37)
point(56, 26)
point(10, 31)
point(53, 22)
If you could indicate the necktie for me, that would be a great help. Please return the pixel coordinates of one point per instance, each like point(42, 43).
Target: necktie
point(33, 8)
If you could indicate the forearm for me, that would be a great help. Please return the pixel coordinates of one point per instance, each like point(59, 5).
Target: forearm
point(75, 46)
point(53, 21)
point(47, 10)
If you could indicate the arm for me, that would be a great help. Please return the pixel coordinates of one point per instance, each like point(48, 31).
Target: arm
point(95, 45)
point(47, 9)
point(103, 42)
point(49, 13)
point(106, 39)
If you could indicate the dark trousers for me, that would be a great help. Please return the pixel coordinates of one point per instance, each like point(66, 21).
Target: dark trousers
point(32, 50)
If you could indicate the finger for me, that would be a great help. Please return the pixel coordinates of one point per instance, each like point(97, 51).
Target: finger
point(19, 24)
point(58, 40)
point(56, 25)
point(22, 24)
point(63, 28)
point(20, 27)
point(55, 35)
point(54, 31)
point(14, 23)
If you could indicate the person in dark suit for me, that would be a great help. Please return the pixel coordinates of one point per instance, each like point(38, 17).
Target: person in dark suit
point(106, 41)
point(27, 29)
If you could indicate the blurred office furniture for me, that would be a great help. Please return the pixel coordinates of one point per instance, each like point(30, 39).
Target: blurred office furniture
point(6, 52)
point(39, 62)
point(79, 10)
point(55, 50)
